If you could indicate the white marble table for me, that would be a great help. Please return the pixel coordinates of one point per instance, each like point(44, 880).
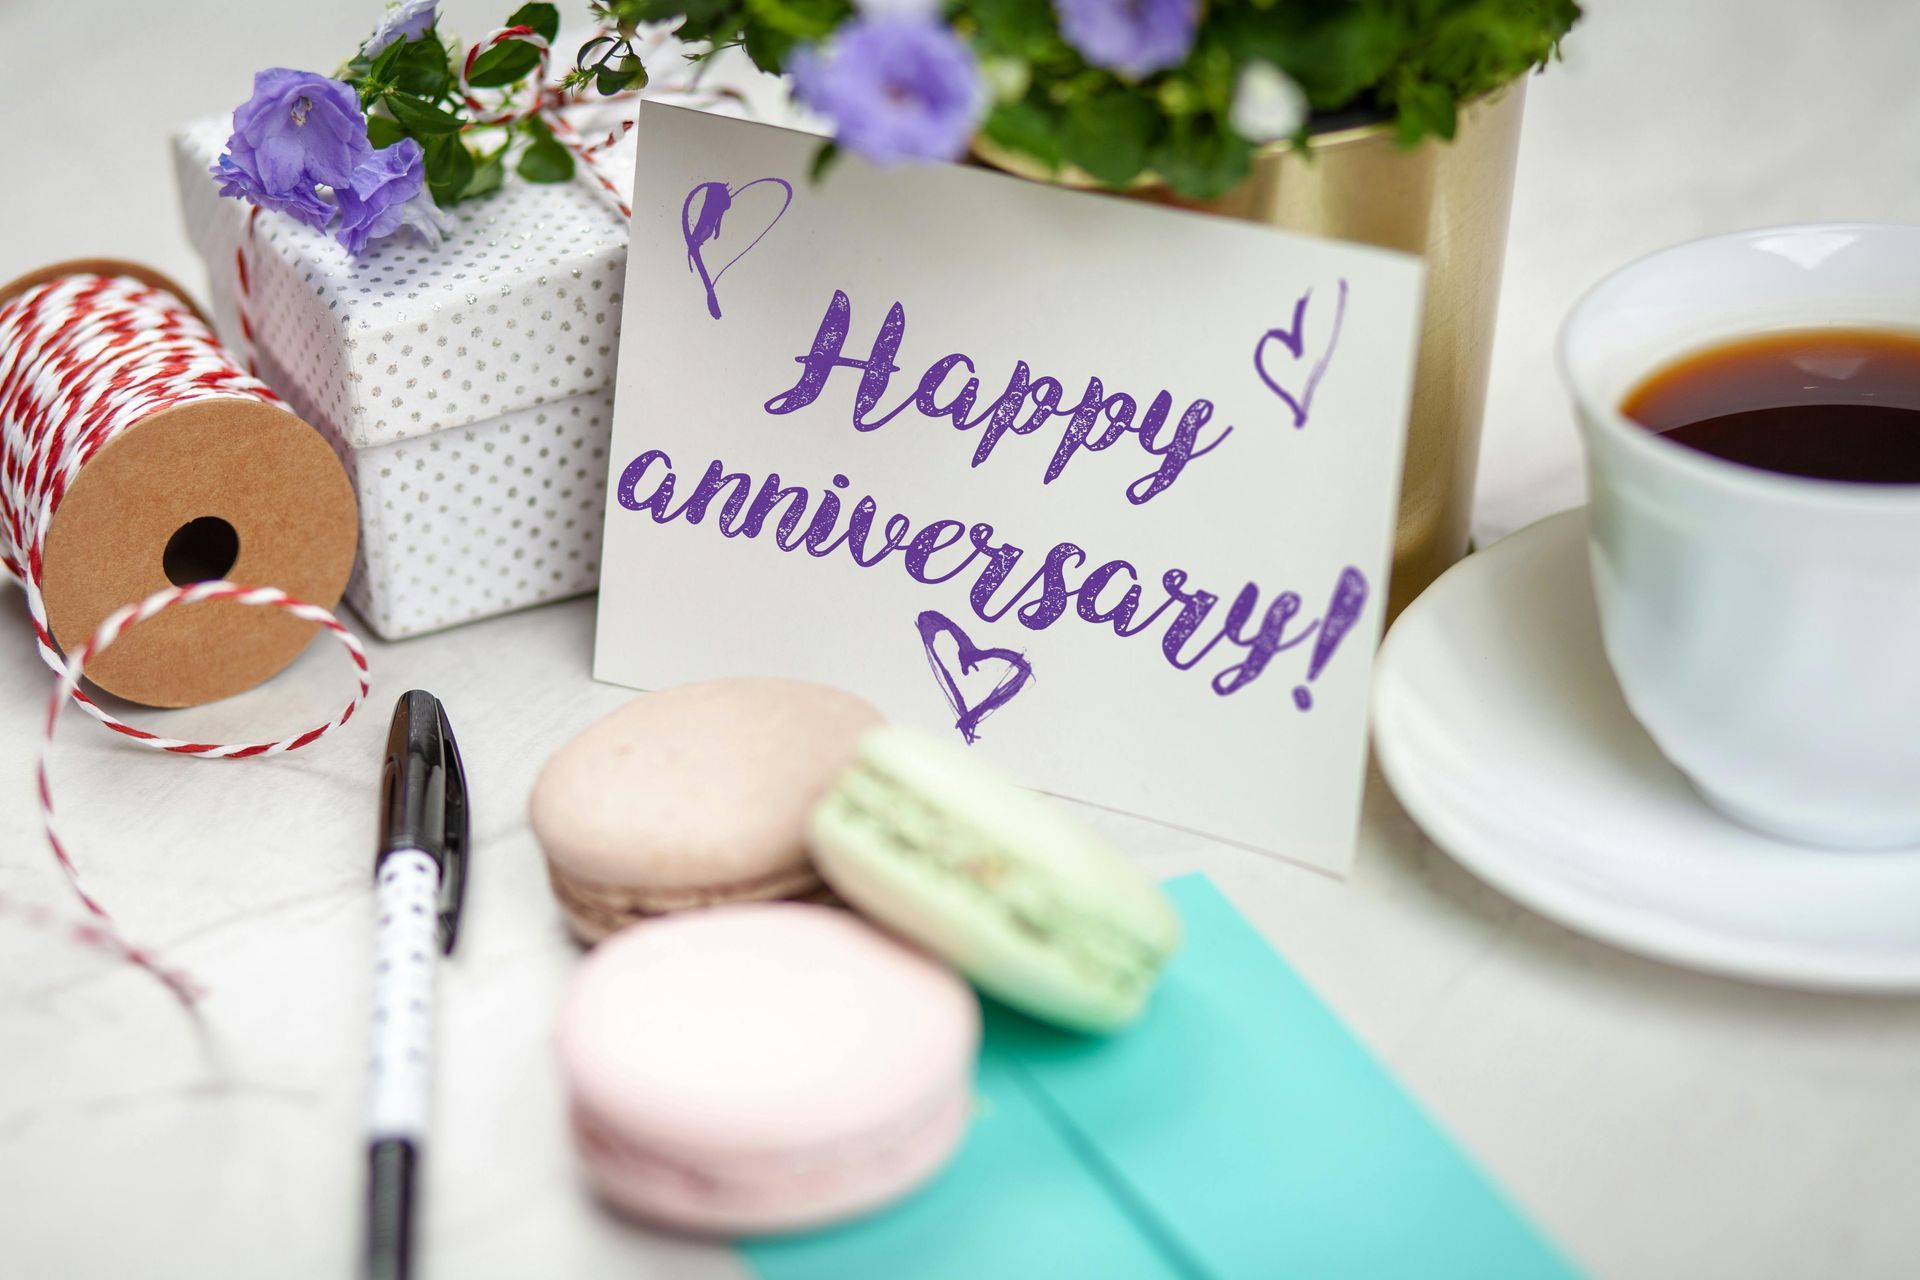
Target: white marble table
point(1657, 1122)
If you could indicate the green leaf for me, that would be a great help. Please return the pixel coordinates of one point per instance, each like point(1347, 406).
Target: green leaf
point(613, 78)
point(768, 47)
point(543, 18)
point(419, 117)
point(801, 20)
point(382, 67)
point(488, 172)
point(544, 160)
point(384, 131)
point(450, 168)
point(508, 62)
point(720, 22)
point(1109, 134)
point(1336, 53)
point(1412, 61)
point(421, 68)
point(1025, 127)
point(627, 14)
point(1205, 164)
point(1019, 28)
point(1424, 109)
point(823, 161)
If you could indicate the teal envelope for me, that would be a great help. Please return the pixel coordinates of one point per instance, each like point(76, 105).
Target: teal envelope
point(1237, 1132)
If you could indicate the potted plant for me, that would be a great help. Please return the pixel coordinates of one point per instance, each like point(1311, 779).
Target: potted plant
point(1392, 122)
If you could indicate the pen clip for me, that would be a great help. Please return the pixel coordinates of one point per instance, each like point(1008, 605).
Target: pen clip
point(453, 863)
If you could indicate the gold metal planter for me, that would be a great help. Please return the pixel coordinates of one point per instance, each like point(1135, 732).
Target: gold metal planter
point(1447, 202)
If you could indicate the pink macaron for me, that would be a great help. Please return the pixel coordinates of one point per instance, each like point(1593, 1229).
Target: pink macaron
point(764, 1067)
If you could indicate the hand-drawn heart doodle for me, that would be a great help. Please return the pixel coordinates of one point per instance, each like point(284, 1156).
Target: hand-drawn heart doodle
point(1294, 340)
point(702, 227)
point(971, 657)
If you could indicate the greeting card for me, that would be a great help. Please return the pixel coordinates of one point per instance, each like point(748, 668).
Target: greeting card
point(1102, 489)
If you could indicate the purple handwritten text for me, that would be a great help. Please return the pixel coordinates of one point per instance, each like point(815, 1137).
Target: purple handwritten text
point(1097, 421)
point(1005, 578)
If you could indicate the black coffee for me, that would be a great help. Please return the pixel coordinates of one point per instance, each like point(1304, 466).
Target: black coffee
point(1833, 404)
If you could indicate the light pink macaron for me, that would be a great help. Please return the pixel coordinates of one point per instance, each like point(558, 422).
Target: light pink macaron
point(764, 1067)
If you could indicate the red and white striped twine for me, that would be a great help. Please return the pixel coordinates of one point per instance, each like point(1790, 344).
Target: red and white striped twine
point(82, 358)
point(243, 297)
point(545, 103)
point(550, 101)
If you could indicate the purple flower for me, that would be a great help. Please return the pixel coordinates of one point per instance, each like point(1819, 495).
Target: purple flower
point(895, 86)
point(297, 130)
point(303, 203)
point(388, 193)
point(406, 20)
point(1134, 38)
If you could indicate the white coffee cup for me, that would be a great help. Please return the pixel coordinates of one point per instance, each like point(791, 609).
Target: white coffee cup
point(1765, 628)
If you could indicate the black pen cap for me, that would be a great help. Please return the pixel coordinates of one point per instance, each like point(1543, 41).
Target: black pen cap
point(423, 799)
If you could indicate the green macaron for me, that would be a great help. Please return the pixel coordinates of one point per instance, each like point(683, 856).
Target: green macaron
point(1003, 883)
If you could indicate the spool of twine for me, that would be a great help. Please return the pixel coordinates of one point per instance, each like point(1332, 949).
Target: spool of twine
point(143, 475)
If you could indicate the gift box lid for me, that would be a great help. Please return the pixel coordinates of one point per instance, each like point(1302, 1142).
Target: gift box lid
point(519, 306)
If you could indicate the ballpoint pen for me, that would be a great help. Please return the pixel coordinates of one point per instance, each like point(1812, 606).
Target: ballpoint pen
point(420, 873)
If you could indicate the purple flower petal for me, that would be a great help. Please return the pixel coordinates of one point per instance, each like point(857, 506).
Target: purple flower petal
point(896, 87)
point(302, 203)
point(298, 131)
point(407, 20)
point(388, 194)
point(1134, 38)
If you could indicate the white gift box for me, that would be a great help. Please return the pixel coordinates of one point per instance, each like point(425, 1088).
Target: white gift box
point(469, 388)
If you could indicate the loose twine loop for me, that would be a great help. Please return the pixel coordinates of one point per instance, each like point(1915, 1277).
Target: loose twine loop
point(82, 358)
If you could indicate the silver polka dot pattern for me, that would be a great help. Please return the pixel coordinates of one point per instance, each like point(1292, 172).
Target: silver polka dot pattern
point(477, 520)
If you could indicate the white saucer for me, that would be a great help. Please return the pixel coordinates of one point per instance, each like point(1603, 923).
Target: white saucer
point(1498, 723)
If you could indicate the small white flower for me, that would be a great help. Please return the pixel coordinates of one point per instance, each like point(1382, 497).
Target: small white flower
point(1267, 104)
point(1007, 78)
